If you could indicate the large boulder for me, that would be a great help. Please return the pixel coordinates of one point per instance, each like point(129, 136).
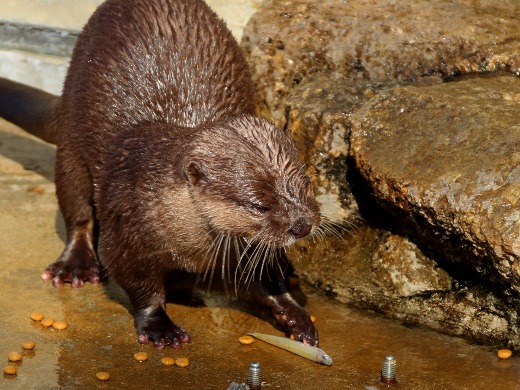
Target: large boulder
point(422, 226)
point(447, 158)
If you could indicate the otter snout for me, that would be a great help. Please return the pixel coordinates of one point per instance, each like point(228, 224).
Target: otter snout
point(300, 228)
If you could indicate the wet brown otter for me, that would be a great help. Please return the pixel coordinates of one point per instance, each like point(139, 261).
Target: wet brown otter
point(162, 164)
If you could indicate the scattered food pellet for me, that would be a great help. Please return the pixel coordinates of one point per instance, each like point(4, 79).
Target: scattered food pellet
point(36, 316)
point(103, 376)
point(59, 325)
point(10, 370)
point(182, 362)
point(36, 189)
point(313, 319)
point(47, 322)
point(504, 353)
point(168, 361)
point(28, 345)
point(141, 356)
point(14, 356)
point(291, 336)
point(246, 340)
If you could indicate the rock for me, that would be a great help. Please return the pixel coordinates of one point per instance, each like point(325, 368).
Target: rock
point(377, 270)
point(376, 40)
point(422, 258)
point(400, 267)
point(446, 157)
point(391, 265)
point(318, 112)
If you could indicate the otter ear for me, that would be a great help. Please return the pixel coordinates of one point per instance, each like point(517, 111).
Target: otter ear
point(196, 173)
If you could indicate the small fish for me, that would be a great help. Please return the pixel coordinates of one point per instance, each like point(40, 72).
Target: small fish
point(304, 350)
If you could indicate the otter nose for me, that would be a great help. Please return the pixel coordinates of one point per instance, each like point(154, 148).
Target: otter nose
point(300, 228)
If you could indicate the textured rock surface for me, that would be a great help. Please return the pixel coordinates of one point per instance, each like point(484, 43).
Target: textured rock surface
point(377, 40)
point(319, 112)
point(447, 156)
point(376, 270)
point(316, 65)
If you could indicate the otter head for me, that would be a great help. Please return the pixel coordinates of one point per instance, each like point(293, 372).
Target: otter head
point(245, 178)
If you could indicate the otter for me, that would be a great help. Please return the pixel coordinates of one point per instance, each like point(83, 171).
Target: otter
point(164, 171)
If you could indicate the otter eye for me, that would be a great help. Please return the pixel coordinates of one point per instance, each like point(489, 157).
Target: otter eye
point(259, 209)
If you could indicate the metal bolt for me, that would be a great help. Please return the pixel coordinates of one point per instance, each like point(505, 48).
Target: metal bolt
point(254, 376)
point(388, 374)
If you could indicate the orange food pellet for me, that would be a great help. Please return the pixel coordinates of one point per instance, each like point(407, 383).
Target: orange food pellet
point(28, 345)
point(313, 319)
point(47, 322)
point(10, 370)
point(36, 316)
point(504, 353)
point(168, 361)
point(182, 362)
point(59, 325)
point(36, 189)
point(14, 356)
point(103, 376)
point(291, 336)
point(141, 356)
point(246, 340)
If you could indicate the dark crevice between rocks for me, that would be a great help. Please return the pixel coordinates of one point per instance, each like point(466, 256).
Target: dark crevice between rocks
point(372, 212)
point(483, 75)
point(286, 126)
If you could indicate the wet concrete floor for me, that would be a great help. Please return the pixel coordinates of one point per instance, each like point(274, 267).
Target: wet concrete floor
point(101, 337)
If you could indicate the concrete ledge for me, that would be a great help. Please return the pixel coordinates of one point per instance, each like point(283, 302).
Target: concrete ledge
point(39, 70)
point(38, 39)
point(57, 14)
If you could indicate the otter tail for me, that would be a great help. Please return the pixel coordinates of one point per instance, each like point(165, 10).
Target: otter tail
point(28, 107)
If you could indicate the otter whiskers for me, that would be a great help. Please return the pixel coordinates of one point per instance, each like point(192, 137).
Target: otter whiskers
point(330, 227)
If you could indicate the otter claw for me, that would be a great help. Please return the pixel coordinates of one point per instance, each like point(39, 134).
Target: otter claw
point(156, 326)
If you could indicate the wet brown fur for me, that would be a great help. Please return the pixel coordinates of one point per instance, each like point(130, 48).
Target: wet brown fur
point(159, 153)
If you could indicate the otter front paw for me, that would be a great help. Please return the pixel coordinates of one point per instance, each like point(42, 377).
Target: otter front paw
point(77, 264)
point(155, 325)
point(291, 315)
